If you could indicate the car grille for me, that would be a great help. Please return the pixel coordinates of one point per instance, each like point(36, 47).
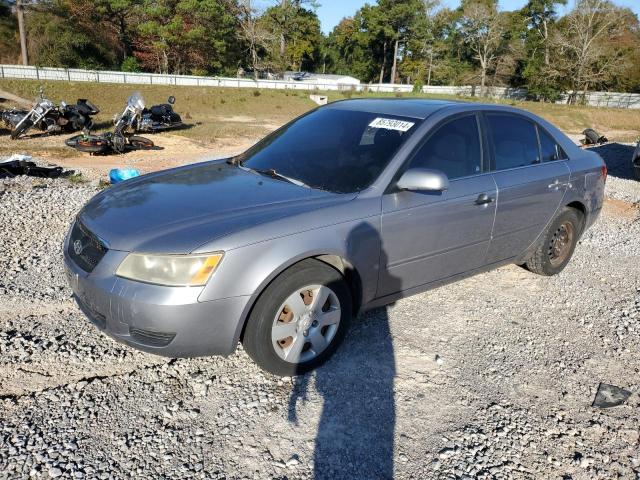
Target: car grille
point(84, 248)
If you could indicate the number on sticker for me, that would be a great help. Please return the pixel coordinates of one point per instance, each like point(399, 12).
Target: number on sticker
point(391, 124)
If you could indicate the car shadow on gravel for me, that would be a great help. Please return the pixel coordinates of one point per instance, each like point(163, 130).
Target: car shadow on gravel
point(618, 159)
point(355, 435)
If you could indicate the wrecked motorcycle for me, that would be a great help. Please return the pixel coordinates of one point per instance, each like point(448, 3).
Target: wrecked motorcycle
point(48, 117)
point(121, 139)
point(158, 118)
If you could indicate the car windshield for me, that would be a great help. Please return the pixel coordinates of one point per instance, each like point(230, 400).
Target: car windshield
point(341, 151)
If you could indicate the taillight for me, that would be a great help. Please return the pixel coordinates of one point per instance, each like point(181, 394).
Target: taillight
point(604, 172)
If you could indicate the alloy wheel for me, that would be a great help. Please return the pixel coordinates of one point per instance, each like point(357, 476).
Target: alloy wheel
point(306, 323)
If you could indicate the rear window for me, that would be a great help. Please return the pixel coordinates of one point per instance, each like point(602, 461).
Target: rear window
point(515, 141)
point(341, 151)
point(549, 147)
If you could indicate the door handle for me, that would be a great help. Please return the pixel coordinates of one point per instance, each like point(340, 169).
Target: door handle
point(557, 184)
point(483, 199)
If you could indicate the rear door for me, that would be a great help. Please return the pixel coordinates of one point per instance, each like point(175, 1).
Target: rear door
point(531, 181)
point(428, 236)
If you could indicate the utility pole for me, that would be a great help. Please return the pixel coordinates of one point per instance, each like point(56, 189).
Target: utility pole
point(23, 32)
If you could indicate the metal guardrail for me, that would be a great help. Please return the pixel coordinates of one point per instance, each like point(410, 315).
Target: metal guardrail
point(598, 99)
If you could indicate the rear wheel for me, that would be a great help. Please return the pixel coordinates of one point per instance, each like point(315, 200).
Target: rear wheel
point(299, 320)
point(557, 243)
point(89, 143)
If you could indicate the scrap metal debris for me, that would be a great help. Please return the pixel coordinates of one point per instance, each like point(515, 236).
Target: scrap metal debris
point(591, 137)
point(609, 396)
point(21, 165)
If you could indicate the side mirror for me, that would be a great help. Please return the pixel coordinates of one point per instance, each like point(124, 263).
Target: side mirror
point(171, 100)
point(423, 180)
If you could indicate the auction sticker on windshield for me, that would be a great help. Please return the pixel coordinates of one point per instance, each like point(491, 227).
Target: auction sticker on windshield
point(391, 124)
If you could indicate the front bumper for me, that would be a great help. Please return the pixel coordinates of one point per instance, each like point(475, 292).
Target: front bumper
point(166, 321)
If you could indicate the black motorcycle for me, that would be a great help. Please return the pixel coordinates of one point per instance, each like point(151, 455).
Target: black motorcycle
point(51, 118)
point(158, 118)
point(121, 139)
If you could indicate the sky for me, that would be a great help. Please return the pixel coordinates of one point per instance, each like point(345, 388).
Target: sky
point(332, 11)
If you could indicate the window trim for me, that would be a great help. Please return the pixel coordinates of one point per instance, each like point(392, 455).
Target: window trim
point(492, 147)
point(558, 146)
point(391, 188)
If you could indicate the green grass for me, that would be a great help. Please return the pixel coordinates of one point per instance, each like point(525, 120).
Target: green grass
point(217, 113)
point(77, 179)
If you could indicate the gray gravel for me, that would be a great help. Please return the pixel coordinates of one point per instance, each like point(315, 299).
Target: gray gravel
point(491, 377)
point(622, 184)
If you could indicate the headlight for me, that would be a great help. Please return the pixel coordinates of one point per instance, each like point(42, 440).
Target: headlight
point(170, 270)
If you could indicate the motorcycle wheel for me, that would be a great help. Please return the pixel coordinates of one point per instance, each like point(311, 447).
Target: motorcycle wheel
point(89, 144)
point(140, 143)
point(21, 129)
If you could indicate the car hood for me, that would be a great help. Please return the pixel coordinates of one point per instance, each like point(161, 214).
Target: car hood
point(178, 210)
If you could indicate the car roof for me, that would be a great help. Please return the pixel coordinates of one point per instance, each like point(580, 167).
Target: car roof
point(419, 108)
point(403, 107)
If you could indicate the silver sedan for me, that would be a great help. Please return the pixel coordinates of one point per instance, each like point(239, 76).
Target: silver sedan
point(351, 206)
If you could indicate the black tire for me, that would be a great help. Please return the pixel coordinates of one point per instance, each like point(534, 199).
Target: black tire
point(557, 244)
point(89, 144)
point(257, 339)
point(21, 129)
point(140, 143)
point(72, 141)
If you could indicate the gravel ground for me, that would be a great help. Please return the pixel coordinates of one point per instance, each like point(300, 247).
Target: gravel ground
point(491, 377)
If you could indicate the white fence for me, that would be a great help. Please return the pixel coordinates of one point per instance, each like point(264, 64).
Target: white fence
point(598, 99)
point(101, 76)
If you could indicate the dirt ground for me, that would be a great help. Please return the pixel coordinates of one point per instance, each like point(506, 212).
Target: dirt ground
point(171, 151)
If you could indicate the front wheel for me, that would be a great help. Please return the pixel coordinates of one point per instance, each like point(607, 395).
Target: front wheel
point(299, 320)
point(557, 243)
point(21, 129)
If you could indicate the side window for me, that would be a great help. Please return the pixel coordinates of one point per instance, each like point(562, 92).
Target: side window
point(549, 148)
point(454, 148)
point(514, 139)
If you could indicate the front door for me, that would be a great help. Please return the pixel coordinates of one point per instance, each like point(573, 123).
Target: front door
point(431, 236)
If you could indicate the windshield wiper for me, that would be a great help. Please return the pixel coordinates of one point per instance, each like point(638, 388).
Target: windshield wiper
point(268, 172)
point(271, 172)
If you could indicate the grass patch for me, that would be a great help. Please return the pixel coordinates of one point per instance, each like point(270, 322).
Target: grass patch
point(618, 124)
point(235, 112)
point(77, 179)
point(212, 112)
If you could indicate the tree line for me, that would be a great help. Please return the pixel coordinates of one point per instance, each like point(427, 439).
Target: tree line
point(594, 46)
